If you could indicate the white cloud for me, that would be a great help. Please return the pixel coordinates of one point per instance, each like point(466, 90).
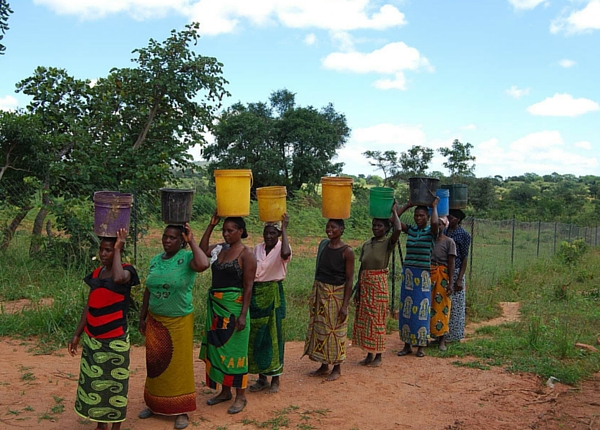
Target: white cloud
point(563, 105)
point(567, 64)
point(224, 16)
point(343, 40)
point(8, 103)
point(310, 39)
point(94, 9)
point(542, 152)
point(516, 92)
point(579, 21)
point(392, 59)
point(583, 145)
point(525, 4)
point(469, 127)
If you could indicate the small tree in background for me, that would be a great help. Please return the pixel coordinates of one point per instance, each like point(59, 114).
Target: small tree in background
point(5, 10)
point(386, 161)
point(459, 160)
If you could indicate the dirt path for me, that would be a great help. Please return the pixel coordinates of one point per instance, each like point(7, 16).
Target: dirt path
point(37, 391)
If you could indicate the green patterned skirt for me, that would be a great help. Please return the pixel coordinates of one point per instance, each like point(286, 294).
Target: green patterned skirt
point(103, 379)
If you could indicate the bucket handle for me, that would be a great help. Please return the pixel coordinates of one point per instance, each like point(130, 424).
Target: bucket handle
point(251, 179)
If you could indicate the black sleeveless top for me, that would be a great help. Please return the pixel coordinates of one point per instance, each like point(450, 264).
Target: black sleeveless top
point(332, 267)
point(228, 274)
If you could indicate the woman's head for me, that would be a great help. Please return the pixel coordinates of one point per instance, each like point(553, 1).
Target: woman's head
point(455, 217)
point(234, 229)
point(271, 233)
point(380, 227)
point(443, 223)
point(421, 216)
point(172, 239)
point(106, 250)
point(335, 228)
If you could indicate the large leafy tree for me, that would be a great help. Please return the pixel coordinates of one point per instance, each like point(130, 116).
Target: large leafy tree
point(5, 10)
point(128, 130)
point(282, 143)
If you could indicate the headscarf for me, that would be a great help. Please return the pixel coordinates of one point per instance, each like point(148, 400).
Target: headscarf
point(457, 213)
point(275, 225)
point(444, 220)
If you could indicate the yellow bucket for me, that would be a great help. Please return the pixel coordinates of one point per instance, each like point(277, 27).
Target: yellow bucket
point(233, 192)
point(271, 203)
point(336, 195)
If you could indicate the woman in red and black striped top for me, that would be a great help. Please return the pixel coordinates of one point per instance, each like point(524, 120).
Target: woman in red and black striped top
point(105, 355)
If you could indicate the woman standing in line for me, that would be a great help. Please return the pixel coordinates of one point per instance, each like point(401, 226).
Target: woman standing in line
point(463, 241)
point(328, 323)
point(371, 297)
point(267, 307)
point(105, 355)
point(415, 291)
point(442, 280)
point(167, 321)
point(225, 343)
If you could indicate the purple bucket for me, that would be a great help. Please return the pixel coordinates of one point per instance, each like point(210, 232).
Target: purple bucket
point(112, 211)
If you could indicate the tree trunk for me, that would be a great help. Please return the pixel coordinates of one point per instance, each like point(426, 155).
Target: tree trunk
point(38, 224)
point(9, 231)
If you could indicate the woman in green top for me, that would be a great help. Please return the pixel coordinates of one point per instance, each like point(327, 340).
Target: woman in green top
point(372, 295)
point(167, 321)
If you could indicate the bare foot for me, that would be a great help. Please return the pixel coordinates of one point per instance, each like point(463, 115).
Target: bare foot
point(376, 362)
point(335, 374)
point(368, 359)
point(321, 371)
point(274, 385)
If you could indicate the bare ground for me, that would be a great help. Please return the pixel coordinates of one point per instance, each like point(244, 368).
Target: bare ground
point(37, 391)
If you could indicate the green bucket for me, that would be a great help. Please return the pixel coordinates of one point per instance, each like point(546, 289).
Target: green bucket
point(381, 200)
point(458, 195)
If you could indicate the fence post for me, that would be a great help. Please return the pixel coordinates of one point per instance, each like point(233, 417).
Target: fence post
point(555, 234)
point(570, 227)
point(512, 242)
point(596, 239)
point(538, 242)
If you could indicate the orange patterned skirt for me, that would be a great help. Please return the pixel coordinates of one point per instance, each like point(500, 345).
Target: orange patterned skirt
point(370, 323)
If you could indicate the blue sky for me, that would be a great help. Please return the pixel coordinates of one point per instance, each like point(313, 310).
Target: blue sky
point(518, 79)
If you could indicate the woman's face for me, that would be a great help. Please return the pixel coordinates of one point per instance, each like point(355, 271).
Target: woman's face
point(231, 232)
point(172, 240)
point(378, 228)
point(270, 236)
point(106, 252)
point(333, 230)
point(420, 218)
point(453, 221)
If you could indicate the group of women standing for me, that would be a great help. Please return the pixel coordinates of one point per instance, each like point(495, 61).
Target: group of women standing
point(247, 285)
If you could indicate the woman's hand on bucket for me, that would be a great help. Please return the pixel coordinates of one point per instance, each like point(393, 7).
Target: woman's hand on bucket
point(214, 220)
point(121, 238)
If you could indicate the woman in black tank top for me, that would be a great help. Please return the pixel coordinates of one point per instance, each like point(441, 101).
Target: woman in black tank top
point(328, 324)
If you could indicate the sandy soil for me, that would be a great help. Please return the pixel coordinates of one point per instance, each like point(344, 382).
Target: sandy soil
point(37, 391)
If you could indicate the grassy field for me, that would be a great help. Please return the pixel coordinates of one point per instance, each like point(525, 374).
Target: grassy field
point(560, 302)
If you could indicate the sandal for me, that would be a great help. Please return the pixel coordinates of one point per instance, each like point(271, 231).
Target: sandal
point(217, 400)
point(146, 413)
point(420, 354)
point(181, 421)
point(236, 409)
point(258, 386)
point(404, 352)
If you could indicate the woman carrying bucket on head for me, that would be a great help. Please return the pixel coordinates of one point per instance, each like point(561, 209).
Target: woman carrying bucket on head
point(415, 291)
point(167, 321)
point(332, 288)
point(442, 281)
point(225, 343)
point(104, 321)
point(267, 307)
point(371, 296)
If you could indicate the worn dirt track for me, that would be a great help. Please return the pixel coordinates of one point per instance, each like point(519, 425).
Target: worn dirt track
point(405, 392)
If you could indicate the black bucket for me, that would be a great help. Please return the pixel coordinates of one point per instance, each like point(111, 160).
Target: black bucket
point(176, 205)
point(458, 195)
point(422, 190)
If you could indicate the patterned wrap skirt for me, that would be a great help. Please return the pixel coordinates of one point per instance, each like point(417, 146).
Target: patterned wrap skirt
point(415, 299)
point(369, 331)
point(267, 312)
point(170, 387)
point(441, 302)
point(326, 336)
point(456, 324)
point(103, 379)
point(224, 349)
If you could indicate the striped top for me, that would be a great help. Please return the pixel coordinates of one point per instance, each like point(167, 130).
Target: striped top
point(419, 245)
